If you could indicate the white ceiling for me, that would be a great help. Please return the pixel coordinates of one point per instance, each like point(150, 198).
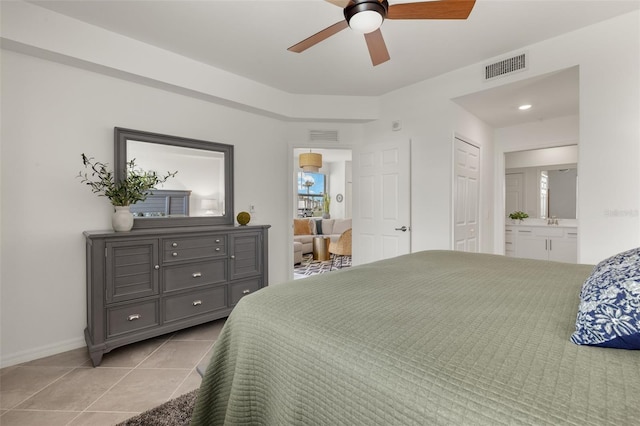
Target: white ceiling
point(551, 95)
point(250, 38)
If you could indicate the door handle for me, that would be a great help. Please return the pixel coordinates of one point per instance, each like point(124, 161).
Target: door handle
point(403, 229)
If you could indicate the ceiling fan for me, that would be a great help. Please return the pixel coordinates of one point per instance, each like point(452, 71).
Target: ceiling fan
point(366, 17)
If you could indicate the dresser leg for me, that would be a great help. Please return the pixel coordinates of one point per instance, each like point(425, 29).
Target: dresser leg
point(96, 357)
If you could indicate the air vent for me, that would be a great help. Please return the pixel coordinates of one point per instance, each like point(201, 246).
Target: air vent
point(506, 66)
point(323, 135)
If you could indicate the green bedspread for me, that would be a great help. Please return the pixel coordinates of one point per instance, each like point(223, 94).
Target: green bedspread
point(429, 338)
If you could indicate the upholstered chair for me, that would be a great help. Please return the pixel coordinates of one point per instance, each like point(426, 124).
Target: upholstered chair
point(341, 248)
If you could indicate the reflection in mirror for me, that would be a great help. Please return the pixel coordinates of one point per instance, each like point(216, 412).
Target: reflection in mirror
point(561, 202)
point(542, 182)
point(542, 192)
point(201, 193)
point(200, 176)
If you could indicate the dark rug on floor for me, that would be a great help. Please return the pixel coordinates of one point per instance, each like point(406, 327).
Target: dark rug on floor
point(176, 412)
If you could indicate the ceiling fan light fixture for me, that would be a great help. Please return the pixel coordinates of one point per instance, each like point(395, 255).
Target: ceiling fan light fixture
point(366, 22)
point(366, 16)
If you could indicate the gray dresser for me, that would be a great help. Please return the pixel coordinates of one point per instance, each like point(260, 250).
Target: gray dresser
point(148, 282)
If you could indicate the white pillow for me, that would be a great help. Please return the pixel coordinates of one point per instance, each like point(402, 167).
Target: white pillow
point(341, 225)
point(327, 226)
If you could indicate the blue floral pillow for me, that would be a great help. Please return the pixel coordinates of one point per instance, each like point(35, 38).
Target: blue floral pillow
point(609, 311)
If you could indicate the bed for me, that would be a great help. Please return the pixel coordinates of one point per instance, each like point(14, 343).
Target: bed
point(430, 338)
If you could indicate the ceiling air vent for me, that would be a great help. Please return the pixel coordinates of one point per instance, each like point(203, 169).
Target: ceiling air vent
point(506, 66)
point(323, 136)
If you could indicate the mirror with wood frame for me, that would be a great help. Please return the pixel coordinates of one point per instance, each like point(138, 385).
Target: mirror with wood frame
point(201, 193)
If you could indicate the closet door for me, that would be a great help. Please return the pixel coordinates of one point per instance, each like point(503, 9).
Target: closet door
point(466, 195)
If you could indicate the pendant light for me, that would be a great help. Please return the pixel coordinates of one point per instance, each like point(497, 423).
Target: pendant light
point(310, 162)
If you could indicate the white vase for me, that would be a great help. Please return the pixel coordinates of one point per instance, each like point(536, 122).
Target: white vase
point(122, 219)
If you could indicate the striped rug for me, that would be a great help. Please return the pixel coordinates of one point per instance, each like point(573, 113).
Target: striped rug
point(310, 267)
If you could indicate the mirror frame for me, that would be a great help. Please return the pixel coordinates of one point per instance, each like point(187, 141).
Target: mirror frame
point(122, 135)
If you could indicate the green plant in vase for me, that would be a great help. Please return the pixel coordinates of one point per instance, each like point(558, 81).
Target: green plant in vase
point(518, 215)
point(326, 202)
point(135, 186)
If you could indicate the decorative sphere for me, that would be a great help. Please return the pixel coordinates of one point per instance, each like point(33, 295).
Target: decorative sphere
point(243, 218)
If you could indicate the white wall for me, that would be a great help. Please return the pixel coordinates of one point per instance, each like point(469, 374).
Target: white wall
point(337, 182)
point(51, 113)
point(609, 188)
point(26, 26)
point(431, 121)
point(543, 157)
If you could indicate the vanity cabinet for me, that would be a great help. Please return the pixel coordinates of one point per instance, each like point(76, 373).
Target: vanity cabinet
point(555, 243)
point(149, 282)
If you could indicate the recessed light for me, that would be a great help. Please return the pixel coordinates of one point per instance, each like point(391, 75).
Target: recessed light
point(524, 107)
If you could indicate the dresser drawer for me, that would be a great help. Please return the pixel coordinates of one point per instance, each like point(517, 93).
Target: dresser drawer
point(240, 289)
point(549, 232)
point(195, 303)
point(132, 317)
point(508, 237)
point(181, 277)
point(185, 248)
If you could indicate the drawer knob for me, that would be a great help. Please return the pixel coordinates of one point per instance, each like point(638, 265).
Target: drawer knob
point(196, 274)
point(233, 257)
point(174, 254)
point(217, 241)
point(197, 302)
point(217, 248)
point(157, 267)
point(247, 291)
point(134, 317)
point(174, 245)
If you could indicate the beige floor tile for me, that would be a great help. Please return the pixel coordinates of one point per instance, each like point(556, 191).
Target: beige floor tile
point(100, 418)
point(204, 362)
point(131, 355)
point(192, 382)
point(37, 418)
point(19, 383)
point(5, 370)
point(209, 331)
point(141, 390)
point(178, 354)
point(79, 389)
point(73, 358)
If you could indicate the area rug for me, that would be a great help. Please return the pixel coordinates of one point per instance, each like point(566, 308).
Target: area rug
point(176, 412)
point(310, 267)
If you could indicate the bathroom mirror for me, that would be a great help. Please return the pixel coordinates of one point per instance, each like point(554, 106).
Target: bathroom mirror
point(542, 192)
point(201, 193)
point(542, 182)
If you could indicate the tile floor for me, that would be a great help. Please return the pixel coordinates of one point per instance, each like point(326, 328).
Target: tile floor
point(65, 389)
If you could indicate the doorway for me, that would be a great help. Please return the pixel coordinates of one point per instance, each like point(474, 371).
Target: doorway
point(322, 195)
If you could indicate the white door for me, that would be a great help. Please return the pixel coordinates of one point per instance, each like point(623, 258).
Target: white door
point(381, 208)
point(466, 196)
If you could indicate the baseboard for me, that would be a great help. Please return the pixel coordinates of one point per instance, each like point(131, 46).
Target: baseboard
point(41, 352)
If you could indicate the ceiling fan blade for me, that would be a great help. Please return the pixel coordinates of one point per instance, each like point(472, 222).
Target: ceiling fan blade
point(377, 47)
point(340, 3)
point(318, 37)
point(443, 9)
